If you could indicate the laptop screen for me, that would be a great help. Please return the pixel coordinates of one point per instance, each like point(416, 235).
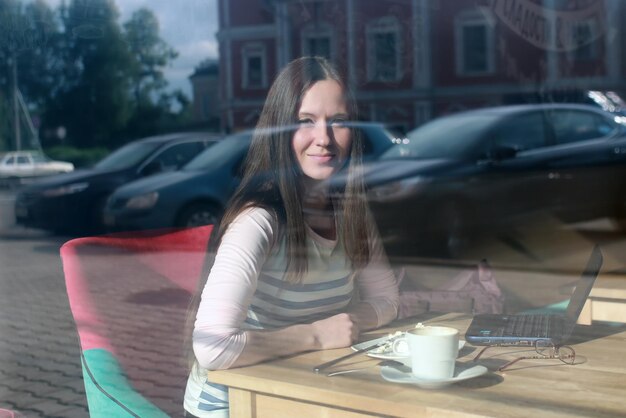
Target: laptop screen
point(584, 285)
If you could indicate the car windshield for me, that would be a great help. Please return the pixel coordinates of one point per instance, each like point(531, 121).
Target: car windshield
point(127, 156)
point(448, 137)
point(218, 153)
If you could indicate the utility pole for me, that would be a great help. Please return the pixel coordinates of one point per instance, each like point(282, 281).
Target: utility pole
point(16, 107)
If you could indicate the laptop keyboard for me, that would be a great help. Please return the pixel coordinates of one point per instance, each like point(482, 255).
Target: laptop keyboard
point(528, 326)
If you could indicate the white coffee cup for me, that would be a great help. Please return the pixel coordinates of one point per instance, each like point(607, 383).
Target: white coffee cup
point(433, 351)
point(400, 346)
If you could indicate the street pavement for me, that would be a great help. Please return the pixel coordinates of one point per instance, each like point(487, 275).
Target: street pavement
point(40, 371)
point(40, 368)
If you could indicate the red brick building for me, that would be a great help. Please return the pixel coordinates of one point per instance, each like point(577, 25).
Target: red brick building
point(411, 60)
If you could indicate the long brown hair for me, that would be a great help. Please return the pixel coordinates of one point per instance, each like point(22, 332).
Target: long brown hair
point(272, 177)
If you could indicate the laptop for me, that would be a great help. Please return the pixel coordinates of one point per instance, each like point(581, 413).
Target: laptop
point(527, 329)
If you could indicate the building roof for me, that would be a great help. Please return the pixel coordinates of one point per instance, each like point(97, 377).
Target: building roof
point(207, 67)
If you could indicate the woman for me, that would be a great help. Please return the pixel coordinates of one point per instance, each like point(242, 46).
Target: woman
point(294, 269)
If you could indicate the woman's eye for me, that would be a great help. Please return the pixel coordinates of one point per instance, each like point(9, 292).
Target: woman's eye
point(339, 123)
point(305, 122)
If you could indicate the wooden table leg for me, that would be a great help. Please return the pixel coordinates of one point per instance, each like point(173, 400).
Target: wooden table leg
point(241, 403)
point(586, 315)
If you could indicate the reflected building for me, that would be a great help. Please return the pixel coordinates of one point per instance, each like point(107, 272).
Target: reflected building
point(205, 108)
point(411, 60)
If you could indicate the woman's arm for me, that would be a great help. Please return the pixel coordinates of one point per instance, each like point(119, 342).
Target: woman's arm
point(334, 332)
point(378, 287)
point(218, 340)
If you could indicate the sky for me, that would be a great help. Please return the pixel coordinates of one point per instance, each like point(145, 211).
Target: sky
point(189, 26)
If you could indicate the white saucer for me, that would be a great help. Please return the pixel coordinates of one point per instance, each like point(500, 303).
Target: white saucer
point(387, 355)
point(402, 374)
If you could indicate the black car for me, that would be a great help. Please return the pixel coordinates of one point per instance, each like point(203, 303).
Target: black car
point(197, 194)
point(495, 169)
point(73, 202)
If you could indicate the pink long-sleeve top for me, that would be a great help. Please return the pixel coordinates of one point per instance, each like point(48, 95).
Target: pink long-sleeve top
point(246, 288)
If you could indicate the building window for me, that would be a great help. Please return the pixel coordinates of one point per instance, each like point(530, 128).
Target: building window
point(384, 50)
point(318, 46)
point(318, 40)
point(584, 35)
point(474, 43)
point(254, 73)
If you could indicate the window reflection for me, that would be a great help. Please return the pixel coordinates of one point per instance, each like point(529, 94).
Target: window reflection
point(491, 130)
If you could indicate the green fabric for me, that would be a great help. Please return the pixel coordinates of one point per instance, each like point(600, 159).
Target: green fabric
point(559, 307)
point(110, 378)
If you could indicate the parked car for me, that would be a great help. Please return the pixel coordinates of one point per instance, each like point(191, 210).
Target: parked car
point(197, 194)
point(73, 202)
point(493, 169)
point(16, 166)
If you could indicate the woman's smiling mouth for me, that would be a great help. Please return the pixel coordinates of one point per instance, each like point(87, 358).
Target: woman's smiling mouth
point(321, 158)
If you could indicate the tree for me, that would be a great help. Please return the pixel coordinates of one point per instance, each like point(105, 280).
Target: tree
point(79, 68)
point(150, 55)
point(94, 105)
point(25, 54)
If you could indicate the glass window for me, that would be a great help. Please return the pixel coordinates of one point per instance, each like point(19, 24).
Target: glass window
point(22, 159)
point(318, 46)
point(384, 50)
point(474, 48)
point(574, 126)
point(127, 156)
point(254, 72)
point(318, 40)
point(178, 155)
point(82, 78)
point(474, 44)
point(522, 133)
point(450, 137)
point(584, 40)
point(221, 153)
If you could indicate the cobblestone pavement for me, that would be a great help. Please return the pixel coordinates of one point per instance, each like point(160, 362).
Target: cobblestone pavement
point(144, 313)
point(40, 371)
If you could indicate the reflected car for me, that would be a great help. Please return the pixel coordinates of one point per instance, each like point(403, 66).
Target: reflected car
point(494, 169)
point(198, 193)
point(16, 167)
point(73, 202)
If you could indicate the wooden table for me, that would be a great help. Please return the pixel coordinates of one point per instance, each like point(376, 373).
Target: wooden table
point(533, 388)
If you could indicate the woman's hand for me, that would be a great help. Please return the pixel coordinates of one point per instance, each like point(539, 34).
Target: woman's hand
point(337, 331)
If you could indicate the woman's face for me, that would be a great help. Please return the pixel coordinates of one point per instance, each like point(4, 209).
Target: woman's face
point(322, 142)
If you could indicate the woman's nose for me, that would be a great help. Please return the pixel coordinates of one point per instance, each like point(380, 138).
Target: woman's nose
point(323, 134)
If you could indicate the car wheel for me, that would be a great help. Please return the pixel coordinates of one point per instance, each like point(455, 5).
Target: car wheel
point(199, 214)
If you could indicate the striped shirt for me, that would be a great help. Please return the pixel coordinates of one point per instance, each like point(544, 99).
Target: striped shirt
point(247, 289)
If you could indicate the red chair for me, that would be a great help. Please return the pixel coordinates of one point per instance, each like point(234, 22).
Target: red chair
point(129, 296)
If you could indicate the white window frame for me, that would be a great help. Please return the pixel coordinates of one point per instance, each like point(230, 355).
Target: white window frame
point(384, 25)
point(250, 51)
point(316, 31)
point(482, 17)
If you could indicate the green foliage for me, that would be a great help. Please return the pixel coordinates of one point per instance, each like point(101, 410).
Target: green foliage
point(80, 157)
point(151, 54)
point(81, 69)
